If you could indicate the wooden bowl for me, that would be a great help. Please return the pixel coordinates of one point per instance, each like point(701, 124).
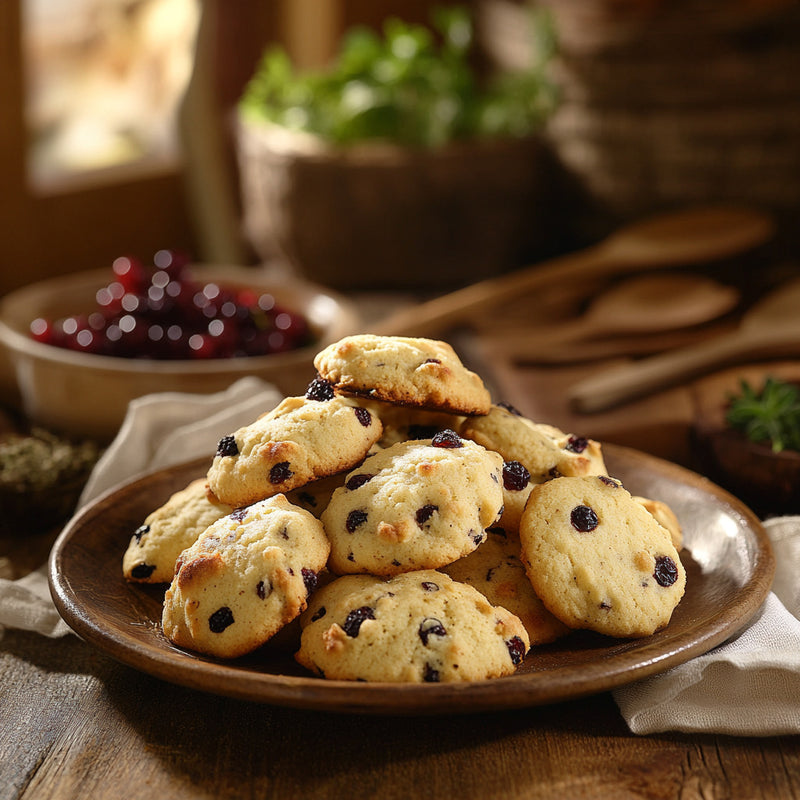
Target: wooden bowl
point(87, 395)
point(768, 481)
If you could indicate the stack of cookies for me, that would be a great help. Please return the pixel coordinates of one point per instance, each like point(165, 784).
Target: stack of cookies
point(395, 525)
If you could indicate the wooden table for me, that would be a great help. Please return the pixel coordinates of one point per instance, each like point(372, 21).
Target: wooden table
point(74, 723)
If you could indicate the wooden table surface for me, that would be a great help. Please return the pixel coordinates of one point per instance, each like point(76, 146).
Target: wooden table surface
point(74, 723)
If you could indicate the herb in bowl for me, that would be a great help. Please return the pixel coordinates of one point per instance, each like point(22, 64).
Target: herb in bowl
point(770, 416)
point(412, 85)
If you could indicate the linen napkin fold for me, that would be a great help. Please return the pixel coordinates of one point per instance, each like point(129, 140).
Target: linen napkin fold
point(159, 430)
point(747, 686)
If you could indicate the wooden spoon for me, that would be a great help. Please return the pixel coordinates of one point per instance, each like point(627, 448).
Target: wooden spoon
point(679, 238)
point(770, 329)
point(644, 304)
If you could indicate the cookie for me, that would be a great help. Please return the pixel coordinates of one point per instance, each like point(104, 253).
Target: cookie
point(246, 577)
point(424, 373)
point(665, 517)
point(517, 487)
point(299, 441)
point(545, 451)
point(416, 505)
point(496, 571)
point(416, 627)
point(168, 531)
point(598, 559)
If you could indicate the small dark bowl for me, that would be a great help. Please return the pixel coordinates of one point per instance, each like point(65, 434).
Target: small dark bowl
point(766, 480)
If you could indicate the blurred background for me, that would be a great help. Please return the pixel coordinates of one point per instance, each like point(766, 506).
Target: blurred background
point(119, 116)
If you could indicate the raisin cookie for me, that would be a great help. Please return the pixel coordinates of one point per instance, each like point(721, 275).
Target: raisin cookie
point(545, 451)
point(417, 627)
point(665, 517)
point(299, 441)
point(168, 531)
point(424, 373)
point(416, 505)
point(244, 579)
point(598, 559)
point(496, 571)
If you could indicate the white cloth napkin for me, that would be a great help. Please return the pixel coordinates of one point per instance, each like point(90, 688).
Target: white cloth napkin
point(749, 685)
point(158, 430)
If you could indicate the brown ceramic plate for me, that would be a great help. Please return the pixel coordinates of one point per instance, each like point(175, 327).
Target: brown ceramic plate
point(727, 556)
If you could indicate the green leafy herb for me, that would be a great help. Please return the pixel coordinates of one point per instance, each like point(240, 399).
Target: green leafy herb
point(771, 416)
point(409, 86)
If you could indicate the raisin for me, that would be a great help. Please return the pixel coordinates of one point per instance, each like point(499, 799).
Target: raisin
point(554, 472)
point(227, 446)
point(352, 625)
point(355, 481)
point(516, 649)
point(363, 416)
point(430, 675)
point(239, 513)
point(280, 472)
point(425, 513)
point(508, 407)
point(319, 389)
point(319, 613)
point(430, 586)
point(140, 531)
point(220, 619)
point(515, 476)
point(583, 519)
point(355, 519)
point(263, 588)
point(432, 361)
point(477, 537)
point(310, 579)
point(666, 571)
point(576, 444)
point(430, 627)
point(609, 481)
point(142, 571)
point(447, 438)
point(285, 533)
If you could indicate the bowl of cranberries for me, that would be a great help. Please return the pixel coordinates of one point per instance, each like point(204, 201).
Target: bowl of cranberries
point(82, 346)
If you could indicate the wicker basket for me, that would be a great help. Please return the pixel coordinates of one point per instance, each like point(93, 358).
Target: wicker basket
point(384, 217)
point(671, 103)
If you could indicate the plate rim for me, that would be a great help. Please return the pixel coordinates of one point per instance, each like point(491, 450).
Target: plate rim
point(641, 660)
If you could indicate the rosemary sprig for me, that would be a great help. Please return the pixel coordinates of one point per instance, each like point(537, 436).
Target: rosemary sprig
point(771, 416)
